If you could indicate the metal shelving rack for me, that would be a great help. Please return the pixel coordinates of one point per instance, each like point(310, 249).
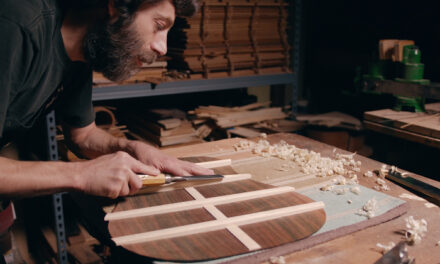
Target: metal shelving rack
point(188, 86)
point(178, 87)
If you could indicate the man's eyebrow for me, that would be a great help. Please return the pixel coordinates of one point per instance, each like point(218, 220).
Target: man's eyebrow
point(169, 22)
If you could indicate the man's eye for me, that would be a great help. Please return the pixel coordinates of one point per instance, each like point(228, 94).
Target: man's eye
point(159, 27)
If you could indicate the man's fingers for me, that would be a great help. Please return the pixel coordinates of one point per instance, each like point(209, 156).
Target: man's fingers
point(198, 170)
point(135, 183)
point(124, 190)
point(141, 168)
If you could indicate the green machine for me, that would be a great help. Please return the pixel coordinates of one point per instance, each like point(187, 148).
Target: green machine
point(411, 71)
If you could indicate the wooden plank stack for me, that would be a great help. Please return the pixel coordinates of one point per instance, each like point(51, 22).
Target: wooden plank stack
point(162, 127)
point(225, 117)
point(152, 73)
point(232, 38)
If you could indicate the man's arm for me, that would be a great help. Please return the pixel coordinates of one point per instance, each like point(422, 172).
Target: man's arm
point(110, 175)
point(91, 142)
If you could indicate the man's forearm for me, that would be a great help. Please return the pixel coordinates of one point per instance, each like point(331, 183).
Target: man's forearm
point(92, 142)
point(22, 178)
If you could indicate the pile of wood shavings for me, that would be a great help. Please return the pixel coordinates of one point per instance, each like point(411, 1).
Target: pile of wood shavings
point(416, 229)
point(369, 208)
point(310, 162)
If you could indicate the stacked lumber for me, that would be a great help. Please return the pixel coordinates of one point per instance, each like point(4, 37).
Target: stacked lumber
point(225, 117)
point(232, 38)
point(152, 73)
point(162, 127)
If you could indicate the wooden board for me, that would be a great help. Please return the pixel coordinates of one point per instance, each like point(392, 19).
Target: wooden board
point(235, 237)
point(418, 127)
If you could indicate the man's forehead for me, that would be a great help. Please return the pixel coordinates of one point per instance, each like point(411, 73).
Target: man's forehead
point(164, 10)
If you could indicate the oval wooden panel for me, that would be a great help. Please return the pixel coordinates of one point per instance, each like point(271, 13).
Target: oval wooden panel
point(219, 243)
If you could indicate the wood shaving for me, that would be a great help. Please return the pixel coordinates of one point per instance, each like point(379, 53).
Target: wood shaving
point(369, 208)
point(243, 145)
point(263, 135)
point(340, 180)
point(355, 190)
point(327, 187)
point(340, 191)
point(415, 229)
point(368, 174)
point(277, 260)
point(382, 184)
point(353, 180)
point(412, 197)
point(385, 248)
point(430, 205)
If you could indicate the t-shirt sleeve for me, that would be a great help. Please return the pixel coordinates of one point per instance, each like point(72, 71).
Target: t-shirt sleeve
point(16, 53)
point(77, 108)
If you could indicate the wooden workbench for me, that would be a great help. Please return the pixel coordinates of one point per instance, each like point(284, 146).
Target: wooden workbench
point(358, 247)
point(423, 128)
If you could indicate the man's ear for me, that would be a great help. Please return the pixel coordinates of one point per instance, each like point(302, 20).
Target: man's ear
point(112, 12)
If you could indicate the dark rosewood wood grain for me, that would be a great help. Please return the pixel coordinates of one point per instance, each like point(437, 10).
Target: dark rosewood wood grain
point(221, 243)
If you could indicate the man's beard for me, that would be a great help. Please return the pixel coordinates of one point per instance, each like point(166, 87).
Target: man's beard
point(114, 51)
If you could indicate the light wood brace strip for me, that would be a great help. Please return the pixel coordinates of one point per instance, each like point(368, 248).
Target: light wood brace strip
point(217, 224)
point(188, 205)
point(236, 231)
point(215, 163)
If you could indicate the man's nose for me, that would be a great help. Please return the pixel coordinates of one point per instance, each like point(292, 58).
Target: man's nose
point(159, 45)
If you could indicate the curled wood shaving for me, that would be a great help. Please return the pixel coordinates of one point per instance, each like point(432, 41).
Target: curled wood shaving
point(355, 190)
point(386, 248)
point(415, 229)
point(327, 187)
point(353, 179)
point(340, 191)
point(368, 174)
point(340, 180)
point(382, 185)
point(411, 197)
point(369, 208)
point(430, 205)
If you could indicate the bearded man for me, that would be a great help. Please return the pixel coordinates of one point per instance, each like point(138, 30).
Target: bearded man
point(48, 51)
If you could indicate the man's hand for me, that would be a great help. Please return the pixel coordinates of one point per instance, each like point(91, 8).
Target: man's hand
point(112, 175)
point(166, 164)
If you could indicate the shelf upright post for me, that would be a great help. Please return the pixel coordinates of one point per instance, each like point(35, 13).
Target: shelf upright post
point(56, 198)
point(297, 28)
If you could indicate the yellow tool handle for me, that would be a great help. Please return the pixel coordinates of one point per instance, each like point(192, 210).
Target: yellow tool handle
point(148, 180)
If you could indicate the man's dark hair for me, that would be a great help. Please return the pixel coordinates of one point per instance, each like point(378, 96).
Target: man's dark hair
point(184, 8)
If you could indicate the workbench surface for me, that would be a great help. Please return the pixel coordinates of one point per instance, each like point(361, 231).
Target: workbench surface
point(358, 247)
point(423, 128)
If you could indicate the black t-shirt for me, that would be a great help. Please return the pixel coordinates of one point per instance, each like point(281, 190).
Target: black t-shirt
point(35, 70)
